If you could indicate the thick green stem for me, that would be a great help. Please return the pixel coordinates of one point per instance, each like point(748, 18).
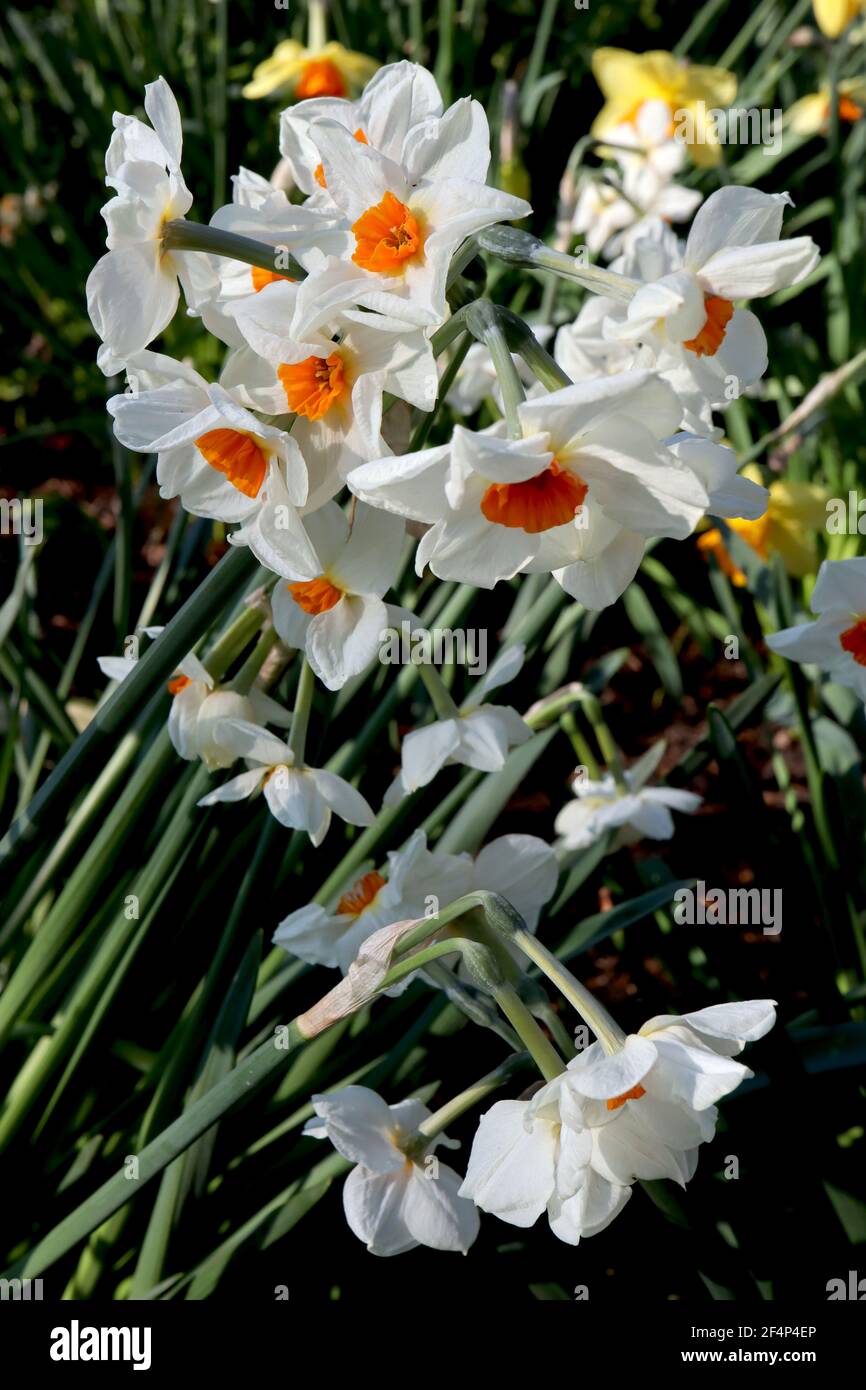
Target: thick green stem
point(539, 1047)
point(608, 1032)
point(182, 235)
point(522, 249)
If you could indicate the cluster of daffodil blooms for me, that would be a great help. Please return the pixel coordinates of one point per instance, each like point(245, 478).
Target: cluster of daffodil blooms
point(334, 310)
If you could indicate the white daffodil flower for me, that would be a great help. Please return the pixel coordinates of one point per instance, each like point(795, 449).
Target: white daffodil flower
point(212, 453)
point(733, 252)
point(407, 218)
point(577, 495)
point(647, 140)
point(333, 610)
point(399, 97)
point(258, 210)
point(650, 1105)
point(522, 868)
point(608, 1120)
point(478, 736)
point(598, 343)
point(299, 797)
point(132, 291)
point(531, 1157)
point(331, 378)
point(399, 1195)
point(836, 640)
point(636, 810)
point(611, 212)
point(413, 877)
point(200, 707)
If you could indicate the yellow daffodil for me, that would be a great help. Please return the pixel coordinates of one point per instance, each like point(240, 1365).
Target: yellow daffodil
point(794, 512)
point(811, 115)
point(628, 80)
point(833, 16)
point(327, 71)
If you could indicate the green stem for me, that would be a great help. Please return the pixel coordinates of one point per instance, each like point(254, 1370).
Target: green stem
point(182, 235)
point(301, 715)
point(522, 249)
point(246, 676)
point(585, 755)
point(608, 1032)
point(440, 698)
point(483, 322)
point(609, 750)
point(539, 361)
point(233, 1091)
point(539, 1047)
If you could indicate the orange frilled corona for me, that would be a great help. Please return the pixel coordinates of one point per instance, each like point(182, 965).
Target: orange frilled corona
point(315, 595)
point(237, 456)
point(360, 895)
point(320, 78)
point(634, 1094)
point(853, 640)
point(314, 385)
point(177, 684)
point(261, 277)
point(550, 499)
point(711, 336)
point(387, 237)
point(319, 174)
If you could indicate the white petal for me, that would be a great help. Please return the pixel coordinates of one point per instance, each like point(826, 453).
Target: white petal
point(342, 798)
point(745, 1021)
point(511, 1168)
point(373, 1205)
point(359, 1123)
point(412, 485)
point(523, 868)
point(753, 271)
point(435, 1213)
point(841, 586)
point(734, 216)
point(368, 563)
point(236, 789)
point(599, 581)
point(426, 750)
point(604, 1077)
point(131, 298)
